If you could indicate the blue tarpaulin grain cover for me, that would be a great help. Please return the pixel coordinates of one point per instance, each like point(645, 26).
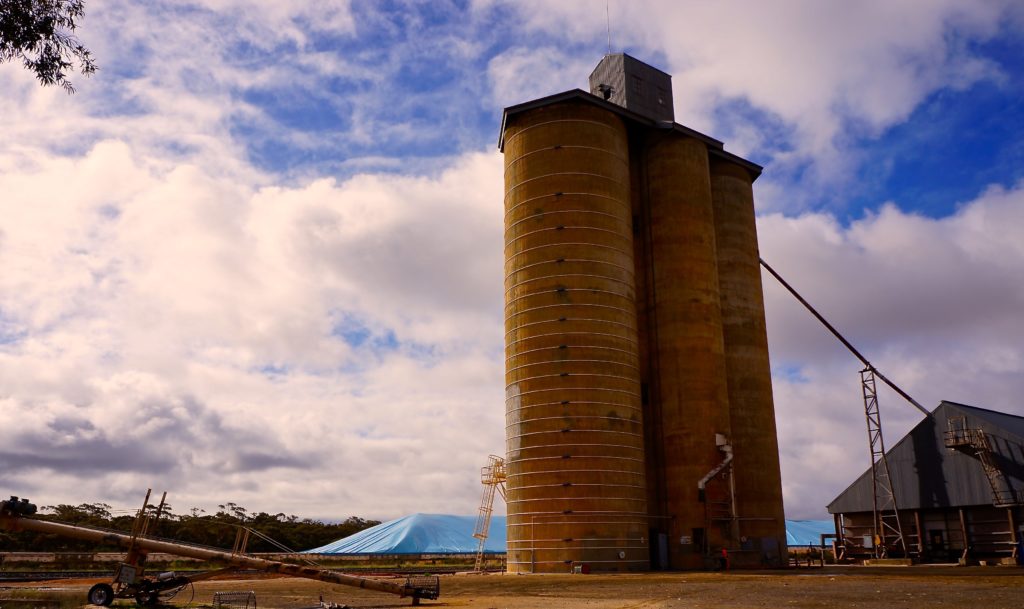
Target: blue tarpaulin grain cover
point(444, 534)
point(807, 532)
point(420, 534)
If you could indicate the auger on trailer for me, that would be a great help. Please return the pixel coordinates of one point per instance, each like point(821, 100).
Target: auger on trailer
point(130, 579)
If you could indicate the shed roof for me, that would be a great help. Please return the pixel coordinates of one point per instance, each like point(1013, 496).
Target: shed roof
point(925, 474)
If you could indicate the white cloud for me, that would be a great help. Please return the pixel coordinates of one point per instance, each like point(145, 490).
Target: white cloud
point(173, 316)
point(829, 72)
point(931, 302)
point(521, 74)
point(186, 334)
point(174, 77)
point(189, 321)
point(268, 22)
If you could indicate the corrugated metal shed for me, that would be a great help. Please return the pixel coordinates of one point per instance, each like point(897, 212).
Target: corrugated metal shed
point(926, 474)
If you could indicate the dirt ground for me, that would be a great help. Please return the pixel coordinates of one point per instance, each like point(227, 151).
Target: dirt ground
point(861, 587)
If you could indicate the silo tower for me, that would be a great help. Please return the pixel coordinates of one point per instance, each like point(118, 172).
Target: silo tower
point(640, 425)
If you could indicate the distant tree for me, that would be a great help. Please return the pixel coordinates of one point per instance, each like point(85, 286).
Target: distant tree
point(92, 514)
point(216, 530)
point(41, 34)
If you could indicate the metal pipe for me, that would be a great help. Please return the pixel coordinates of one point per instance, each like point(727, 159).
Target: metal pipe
point(17, 523)
point(727, 449)
point(843, 340)
point(963, 531)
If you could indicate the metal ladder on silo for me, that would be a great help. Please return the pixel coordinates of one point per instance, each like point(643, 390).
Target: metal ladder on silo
point(493, 477)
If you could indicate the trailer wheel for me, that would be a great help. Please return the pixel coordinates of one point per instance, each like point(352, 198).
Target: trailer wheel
point(101, 594)
point(147, 597)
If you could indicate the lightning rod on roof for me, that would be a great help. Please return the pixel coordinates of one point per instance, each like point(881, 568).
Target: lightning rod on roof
point(608, 19)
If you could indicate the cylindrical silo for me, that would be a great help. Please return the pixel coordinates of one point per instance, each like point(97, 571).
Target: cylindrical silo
point(687, 359)
point(575, 489)
point(752, 411)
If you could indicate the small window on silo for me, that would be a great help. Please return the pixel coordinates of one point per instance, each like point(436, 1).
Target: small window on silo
point(638, 85)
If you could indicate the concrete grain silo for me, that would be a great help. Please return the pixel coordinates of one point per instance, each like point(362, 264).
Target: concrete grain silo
point(574, 421)
point(640, 425)
point(757, 479)
point(687, 374)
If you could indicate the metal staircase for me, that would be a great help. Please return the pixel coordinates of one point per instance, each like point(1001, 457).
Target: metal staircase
point(493, 477)
point(975, 442)
point(719, 499)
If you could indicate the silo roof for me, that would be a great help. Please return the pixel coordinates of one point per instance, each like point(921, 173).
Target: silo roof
point(715, 147)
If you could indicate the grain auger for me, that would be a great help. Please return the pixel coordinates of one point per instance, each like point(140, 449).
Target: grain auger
point(131, 581)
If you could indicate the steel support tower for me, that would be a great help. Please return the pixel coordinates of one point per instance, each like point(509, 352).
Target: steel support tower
point(886, 522)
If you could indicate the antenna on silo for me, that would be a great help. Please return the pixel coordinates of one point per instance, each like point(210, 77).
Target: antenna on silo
point(608, 19)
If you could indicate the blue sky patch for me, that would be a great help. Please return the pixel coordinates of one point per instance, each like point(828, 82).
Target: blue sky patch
point(352, 330)
point(950, 150)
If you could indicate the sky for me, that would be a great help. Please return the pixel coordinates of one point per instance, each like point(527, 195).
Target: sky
point(257, 258)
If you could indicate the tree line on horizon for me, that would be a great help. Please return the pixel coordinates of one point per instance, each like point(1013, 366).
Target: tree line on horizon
point(197, 527)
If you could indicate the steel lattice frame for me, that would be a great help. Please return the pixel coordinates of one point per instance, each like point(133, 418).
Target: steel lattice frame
point(886, 522)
